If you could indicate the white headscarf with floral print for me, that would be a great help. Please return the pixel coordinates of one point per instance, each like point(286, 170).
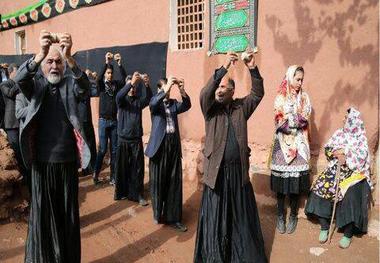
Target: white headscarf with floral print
point(353, 141)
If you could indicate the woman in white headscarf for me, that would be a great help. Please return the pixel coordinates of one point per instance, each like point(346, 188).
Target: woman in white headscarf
point(289, 162)
point(349, 148)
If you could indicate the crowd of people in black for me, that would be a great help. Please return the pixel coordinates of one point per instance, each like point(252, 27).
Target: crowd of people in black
point(46, 114)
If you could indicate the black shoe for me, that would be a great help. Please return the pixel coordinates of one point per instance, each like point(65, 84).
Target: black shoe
point(179, 227)
point(292, 225)
point(281, 224)
point(96, 181)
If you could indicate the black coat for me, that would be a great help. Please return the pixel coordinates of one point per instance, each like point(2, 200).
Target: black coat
point(9, 90)
point(72, 89)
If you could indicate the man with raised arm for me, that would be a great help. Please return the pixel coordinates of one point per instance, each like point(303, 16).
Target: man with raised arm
point(108, 87)
point(229, 226)
point(164, 152)
point(129, 174)
point(53, 144)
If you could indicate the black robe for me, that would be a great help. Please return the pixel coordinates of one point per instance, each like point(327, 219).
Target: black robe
point(165, 171)
point(229, 225)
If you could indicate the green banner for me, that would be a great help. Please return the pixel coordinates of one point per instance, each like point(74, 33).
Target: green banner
point(41, 11)
point(233, 25)
point(231, 19)
point(237, 43)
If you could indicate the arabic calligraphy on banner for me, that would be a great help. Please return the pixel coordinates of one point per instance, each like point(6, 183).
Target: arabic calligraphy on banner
point(233, 25)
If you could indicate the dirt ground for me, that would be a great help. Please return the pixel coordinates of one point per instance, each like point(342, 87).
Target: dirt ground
point(124, 232)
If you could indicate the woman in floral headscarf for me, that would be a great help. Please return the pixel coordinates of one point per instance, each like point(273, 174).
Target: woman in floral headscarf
point(289, 162)
point(349, 148)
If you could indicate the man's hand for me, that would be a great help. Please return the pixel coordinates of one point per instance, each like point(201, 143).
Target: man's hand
point(169, 84)
point(231, 57)
point(94, 75)
point(88, 72)
point(45, 43)
point(66, 44)
point(249, 59)
point(109, 57)
point(181, 87)
point(117, 58)
point(146, 80)
point(136, 78)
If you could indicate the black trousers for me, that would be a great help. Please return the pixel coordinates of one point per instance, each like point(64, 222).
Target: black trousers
point(293, 202)
point(165, 174)
point(129, 170)
point(229, 226)
point(54, 228)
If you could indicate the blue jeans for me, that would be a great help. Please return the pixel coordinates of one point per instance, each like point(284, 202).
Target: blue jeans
point(107, 130)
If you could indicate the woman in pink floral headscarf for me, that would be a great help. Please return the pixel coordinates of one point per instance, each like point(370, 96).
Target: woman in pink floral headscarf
point(349, 148)
point(290, 156)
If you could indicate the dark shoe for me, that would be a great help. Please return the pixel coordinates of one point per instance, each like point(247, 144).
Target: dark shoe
point(143, 202)
point(179, 227)
point(281, 224)
point(96, 181)
point(292, 225)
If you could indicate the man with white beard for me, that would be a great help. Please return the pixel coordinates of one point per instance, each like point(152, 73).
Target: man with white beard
point(53, 145)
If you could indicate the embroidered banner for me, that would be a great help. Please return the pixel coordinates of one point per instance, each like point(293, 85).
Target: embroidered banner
point(41, 11)
point(233, 25)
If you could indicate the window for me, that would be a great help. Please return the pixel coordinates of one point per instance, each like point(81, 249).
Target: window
point(188, 25)
point(20, 42)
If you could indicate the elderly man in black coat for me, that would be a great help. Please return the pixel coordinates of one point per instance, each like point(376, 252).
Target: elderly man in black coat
point(53, 144)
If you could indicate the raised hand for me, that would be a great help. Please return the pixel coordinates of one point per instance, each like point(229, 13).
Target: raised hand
point(66, 43)
point(169, 84)
point(136, 78)
point(117, 58)
point(146, 80)
point(249, 59)
point(231, 57)
point(109, 57)
point(45, 43)
point(181, 87)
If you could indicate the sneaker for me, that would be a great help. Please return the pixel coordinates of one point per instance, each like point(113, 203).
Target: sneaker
point(112, 182)
point(281, 224)
point(179, 227)
point(345, 242)
point(323, 236)
point(292, 225)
